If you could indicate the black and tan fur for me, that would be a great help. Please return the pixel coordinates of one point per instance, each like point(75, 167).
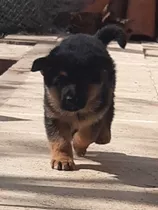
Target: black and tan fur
point(79, 83)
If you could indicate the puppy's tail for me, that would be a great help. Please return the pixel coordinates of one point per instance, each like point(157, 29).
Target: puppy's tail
point(110, 33)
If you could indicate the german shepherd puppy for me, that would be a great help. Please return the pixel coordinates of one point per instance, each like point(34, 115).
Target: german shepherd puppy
point(79, 84)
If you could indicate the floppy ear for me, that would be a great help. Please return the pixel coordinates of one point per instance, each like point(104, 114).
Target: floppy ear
point(43, 63)
point(112, 32)
point(39, 64)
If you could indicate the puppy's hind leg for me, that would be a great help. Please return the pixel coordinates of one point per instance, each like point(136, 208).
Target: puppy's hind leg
point(100, 133)
point(82, 139)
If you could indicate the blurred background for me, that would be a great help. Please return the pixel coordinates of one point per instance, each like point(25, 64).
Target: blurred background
point(138, 17)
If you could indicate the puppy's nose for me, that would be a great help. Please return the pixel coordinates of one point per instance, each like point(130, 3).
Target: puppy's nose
point(69, 99)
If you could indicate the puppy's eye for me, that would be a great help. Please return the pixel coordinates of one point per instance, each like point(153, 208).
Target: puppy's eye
point(60, 80)
point(55, 81)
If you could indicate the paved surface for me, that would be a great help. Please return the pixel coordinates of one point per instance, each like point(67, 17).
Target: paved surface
point(12, 51)
point(120, 176)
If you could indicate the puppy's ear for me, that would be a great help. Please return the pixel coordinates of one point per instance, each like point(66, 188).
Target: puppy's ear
point(110, 33)
point(39, 64)
point(44, 63)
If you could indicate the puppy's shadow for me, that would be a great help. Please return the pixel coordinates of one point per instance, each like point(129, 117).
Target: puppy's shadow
point(130, 170)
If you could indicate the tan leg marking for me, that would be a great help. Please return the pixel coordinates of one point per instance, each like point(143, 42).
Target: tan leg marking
point(82, 139)
point(61, 155)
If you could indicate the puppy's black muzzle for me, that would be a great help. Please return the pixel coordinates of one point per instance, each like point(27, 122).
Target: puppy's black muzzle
point(71, 99)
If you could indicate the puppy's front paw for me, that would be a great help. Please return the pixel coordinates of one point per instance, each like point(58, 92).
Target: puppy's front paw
point(63, 163)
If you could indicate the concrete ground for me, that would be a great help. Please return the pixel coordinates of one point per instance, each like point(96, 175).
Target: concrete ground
point(120, 176)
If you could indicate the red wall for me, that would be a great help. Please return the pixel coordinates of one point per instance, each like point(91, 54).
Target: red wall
point(97, 6)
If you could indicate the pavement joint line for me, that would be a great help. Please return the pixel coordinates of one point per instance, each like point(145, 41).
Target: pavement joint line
point(23, 132)
point(117, 120)
point(153, 82)
point(151, 77)
point(21, 114)
point(137, 121)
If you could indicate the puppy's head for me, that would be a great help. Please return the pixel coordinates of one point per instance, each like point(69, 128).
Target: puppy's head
point(76, 70)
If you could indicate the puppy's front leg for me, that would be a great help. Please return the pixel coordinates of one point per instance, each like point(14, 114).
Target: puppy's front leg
point(59, 136)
